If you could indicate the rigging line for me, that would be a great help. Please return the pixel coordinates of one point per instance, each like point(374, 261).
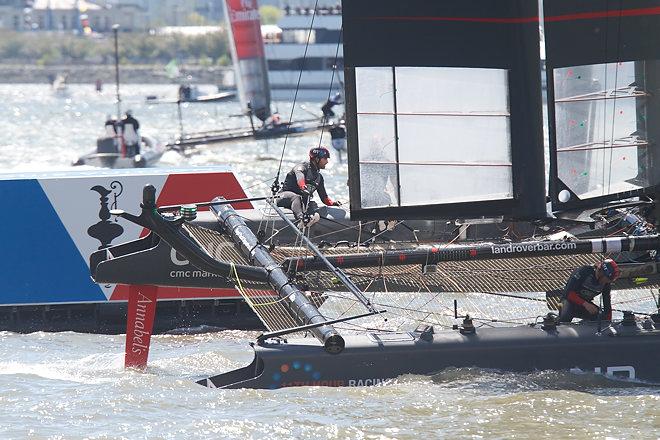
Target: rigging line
point(656, 301)
point(605, 65)
point(379, 234)
point(616, 76)
point(262, 182)
point(347, 228)
point(332, 80)
point(295, 95)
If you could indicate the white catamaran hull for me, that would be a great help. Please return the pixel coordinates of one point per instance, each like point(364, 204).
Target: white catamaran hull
point(150, 153)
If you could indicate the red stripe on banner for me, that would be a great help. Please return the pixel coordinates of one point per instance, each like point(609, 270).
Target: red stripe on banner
point(189, 188)
point(201, 187)
point(514, 20)
point(139, 325)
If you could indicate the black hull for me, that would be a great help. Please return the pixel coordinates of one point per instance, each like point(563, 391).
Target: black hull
point(110, 318)
point(237, 134)
point(625, 352)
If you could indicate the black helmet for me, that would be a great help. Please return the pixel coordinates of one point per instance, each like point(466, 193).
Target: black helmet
point(319, 153)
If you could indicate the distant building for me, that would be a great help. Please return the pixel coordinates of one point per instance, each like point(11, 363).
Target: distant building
point(12, 15)
point(60, 15)
point(302, 56)
point(100, 15)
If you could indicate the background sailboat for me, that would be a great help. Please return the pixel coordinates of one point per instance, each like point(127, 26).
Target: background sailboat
point(186, 92)
point(247, 48)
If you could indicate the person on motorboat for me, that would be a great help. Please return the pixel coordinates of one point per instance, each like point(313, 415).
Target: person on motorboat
point(584, 284)
point(301, 183)
point(110, 126)
point(129, 129)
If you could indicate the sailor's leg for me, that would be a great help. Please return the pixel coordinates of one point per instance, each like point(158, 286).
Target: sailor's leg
point(284, 200)
point(568, 311)
point(297, 206)
point(588, 316)
point(312, 207)
point(292, 201)
point(311, 211)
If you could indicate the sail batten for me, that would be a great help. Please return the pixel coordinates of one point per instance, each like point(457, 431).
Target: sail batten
point(604, 108)
point(441, 128)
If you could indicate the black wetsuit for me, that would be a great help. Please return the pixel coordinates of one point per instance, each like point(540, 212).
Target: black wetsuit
point(304, 175)
point(327, 107)
point(583, 287)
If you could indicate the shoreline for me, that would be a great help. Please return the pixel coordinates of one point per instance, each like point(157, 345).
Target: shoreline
point(128, 74)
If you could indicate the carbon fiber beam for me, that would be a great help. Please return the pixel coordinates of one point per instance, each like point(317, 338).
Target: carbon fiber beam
point(439, 253)
point(294, 299)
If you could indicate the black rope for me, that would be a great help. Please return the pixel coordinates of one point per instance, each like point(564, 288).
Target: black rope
point(616, 79)
point(276, 184)
point(332, 80)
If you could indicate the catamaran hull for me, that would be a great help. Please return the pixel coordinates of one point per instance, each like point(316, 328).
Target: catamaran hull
point(626, 352)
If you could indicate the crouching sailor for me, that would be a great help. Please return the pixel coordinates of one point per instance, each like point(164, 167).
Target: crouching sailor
point(301, 183)
point(586, 283)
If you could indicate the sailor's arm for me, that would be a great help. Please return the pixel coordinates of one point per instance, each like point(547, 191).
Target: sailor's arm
point(300, 177)
point(324, 195)
point(573, 286)
point(607, 302)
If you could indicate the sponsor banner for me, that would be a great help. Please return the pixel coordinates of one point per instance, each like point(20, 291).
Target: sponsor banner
point(520, 248)
point(56, 220)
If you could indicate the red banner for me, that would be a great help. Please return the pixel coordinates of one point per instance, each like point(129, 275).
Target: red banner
point(139, 325)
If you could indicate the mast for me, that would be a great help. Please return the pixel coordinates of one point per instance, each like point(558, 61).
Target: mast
point(115, 30)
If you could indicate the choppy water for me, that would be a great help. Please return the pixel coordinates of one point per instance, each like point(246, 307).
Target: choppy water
point(73, 386)
point(42, 131)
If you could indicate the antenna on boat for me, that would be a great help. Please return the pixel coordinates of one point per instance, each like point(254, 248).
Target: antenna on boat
point(178, 106)
point(115, 31)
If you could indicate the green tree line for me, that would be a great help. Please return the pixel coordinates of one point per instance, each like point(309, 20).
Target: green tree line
point(41, 48)
point(57, 48)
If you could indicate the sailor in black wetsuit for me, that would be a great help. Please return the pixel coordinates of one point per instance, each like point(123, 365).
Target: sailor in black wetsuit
point(327, 107)
point(301, 183)
point(583, 286)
